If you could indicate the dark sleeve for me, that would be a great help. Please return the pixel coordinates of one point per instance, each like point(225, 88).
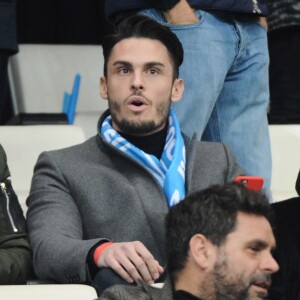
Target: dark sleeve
point(298, 184)
point(4, 172)
point(15, 253)
point(15, 259)
point(92, 268)
point(165, 5)
point(162, 5)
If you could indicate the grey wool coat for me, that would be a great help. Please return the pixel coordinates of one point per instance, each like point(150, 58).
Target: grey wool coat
point(92, 192)
point(142, 291)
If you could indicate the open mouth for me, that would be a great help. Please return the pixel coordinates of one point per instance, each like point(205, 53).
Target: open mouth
point(136, 103)
point(263, 288)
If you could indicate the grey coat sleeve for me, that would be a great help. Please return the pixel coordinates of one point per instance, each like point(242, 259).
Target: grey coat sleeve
point(234, 169)
point(126, 292)
point(55, 225)
point(210, 163)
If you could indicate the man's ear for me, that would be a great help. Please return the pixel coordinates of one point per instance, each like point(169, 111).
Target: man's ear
point(177, 90)
point(202, 251)
point(103, 87)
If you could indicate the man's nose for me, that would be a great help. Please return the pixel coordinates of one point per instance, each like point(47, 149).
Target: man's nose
point(137, 82)
point(269, 264)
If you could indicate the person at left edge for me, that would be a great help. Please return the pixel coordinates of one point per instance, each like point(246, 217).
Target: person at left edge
point(8, 47)
point(15, 252)
point(96, 210)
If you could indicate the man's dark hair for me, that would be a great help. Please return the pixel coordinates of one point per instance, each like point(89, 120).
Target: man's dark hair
point(138, 26)
point(211, 212)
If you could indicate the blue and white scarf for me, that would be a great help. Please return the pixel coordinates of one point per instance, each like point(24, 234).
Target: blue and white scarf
point(169, 170)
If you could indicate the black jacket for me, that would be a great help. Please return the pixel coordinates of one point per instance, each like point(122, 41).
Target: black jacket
point(259, 7)
point(285, 283)
point(15, 254)
point(8, 26)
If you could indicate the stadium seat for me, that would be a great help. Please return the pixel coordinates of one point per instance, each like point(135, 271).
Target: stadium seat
point(23, 144)
point(285, 146)
point(48, 292)
point(40, 74)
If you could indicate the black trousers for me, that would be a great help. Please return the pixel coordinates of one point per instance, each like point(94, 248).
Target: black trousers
point(284, 48)
point(105, 278)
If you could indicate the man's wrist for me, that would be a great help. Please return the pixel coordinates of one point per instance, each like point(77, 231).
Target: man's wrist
point(99, 250)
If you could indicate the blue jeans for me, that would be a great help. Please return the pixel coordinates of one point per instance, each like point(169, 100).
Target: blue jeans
point(226, 96)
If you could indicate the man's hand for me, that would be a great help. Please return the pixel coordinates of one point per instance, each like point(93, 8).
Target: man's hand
point(132, 261)
point(263, 22)
point(181, 14)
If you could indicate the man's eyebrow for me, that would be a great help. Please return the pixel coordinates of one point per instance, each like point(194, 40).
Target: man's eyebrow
point(260, 244)
point(153, 64)
point(123, 63)
point(147, 65)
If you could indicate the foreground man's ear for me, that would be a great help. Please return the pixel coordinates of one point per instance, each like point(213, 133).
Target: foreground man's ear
point(202, 251)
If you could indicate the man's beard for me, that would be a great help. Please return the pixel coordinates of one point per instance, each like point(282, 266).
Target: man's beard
point(228, 285)
point(139, 127)
point(228, 288)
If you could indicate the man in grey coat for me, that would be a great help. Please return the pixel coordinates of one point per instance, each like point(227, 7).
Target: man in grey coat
point(96, 210)
point(218, 243)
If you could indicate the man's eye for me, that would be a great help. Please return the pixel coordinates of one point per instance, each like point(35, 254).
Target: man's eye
point(124, 70)
point(152, 71)
point(254, 249)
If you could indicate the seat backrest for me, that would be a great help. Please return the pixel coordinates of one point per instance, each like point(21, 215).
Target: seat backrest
point(40, 74)
point(48, 292)
point(285, 146)
point(23, 144)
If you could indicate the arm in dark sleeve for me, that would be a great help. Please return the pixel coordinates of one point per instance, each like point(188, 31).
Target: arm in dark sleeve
point(92, 269)
point(15, 259)
point(117, 17)
point(15, 253)
point(165, 5)
point(298, 184)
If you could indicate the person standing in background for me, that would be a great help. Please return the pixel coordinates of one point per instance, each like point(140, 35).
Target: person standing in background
point(61, 22)
point(284, 47)
point(8, 46)
point(225, 71)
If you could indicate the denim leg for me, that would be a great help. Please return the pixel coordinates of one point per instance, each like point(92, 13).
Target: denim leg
point(240, 113)
point(225, 71)
point(204, 68)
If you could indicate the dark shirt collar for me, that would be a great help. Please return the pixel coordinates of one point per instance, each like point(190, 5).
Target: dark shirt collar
point(183, 295)
point(152, 144)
